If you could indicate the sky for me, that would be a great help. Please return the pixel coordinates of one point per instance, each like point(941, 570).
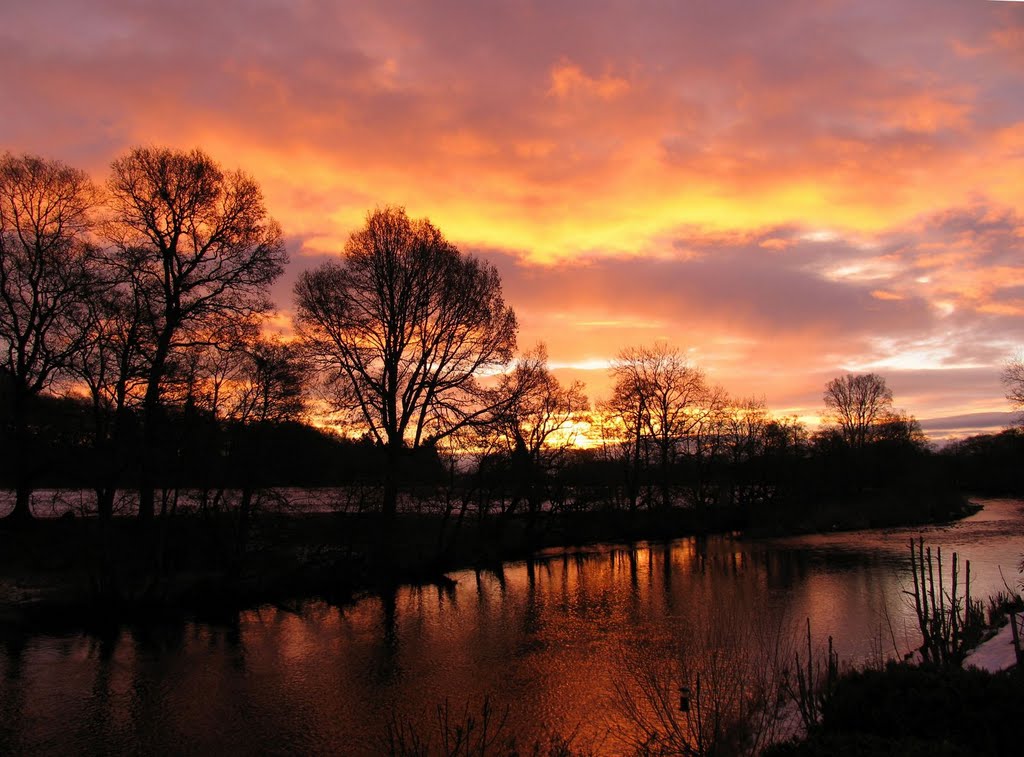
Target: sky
point(787, 191)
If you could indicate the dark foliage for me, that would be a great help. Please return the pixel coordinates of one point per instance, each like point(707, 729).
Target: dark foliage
point(988, 463)
point(197, 450)
point(918, 710)
point(822, 486)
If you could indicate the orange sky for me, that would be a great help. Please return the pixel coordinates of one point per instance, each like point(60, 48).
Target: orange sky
point(789, 190)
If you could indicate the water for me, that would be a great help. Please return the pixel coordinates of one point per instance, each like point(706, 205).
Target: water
point(548, 639)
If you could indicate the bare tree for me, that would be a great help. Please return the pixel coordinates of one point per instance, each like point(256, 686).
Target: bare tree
point(857, 403)
point(269, 385)
point(713, 689)
point(745, 426)
point(728, 434)
point(707, 445)
point(1013, 379)
point(204, 377)
point(622, 428)
point(658, 395)
point(45, 223)
point(199, 244)
point(535, 423)
point(403, 326)
point(111, 366)
point(266, 388)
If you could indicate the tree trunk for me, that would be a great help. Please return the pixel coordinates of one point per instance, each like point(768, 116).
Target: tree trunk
point(632, 490)
point(147, 499)
point(108, 450)
point(22, 512)
point(392, 465)
point(633, 474)
point(532, 513)
point(147, 484)
point(389, 504)
point(150, 420)
point(105, 502)
point(244, 517)
point(666, 499)
point(384, 558)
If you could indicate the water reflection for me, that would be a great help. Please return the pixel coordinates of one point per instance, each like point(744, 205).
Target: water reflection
point(546, 637)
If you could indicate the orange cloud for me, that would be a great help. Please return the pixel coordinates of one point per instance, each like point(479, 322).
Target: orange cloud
point(568, 79)
point(771, 185)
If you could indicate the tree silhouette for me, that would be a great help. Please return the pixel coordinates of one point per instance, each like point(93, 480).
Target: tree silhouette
point(857, 403)
point(534, 425)
point(1013, 379)
point(198, 243)
point(402, 328)
point(45, 223)
point(111, 365)
point(658, 396)
point(269, 383)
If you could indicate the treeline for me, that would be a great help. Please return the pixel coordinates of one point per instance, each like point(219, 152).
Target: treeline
point(133, 357)
point(733, 459)
point(667, 440)
point(127, 293)
point(988, 463)
point(197, 451)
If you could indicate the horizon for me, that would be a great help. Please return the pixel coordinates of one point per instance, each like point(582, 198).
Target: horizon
point(787, 194)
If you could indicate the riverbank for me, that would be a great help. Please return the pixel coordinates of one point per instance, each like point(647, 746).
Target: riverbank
point(75, 572)
point(915, 710)
point(78, 572)
point(869, 509)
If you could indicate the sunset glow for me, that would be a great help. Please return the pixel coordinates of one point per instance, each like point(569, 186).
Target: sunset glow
point(786, 191)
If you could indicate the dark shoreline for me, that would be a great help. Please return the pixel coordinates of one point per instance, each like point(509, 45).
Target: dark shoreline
point(72, 575)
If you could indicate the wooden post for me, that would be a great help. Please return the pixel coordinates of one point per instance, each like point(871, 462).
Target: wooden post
point(1016, 638)
point(935, 618)
point(944, 635)
point(967, 596)
point(918, 592)
point(953, 610)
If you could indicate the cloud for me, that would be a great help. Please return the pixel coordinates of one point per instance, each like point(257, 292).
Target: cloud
point(569, 80)
point(950, 428)
point(791, 189)
point(781, 319)
point(571, 129)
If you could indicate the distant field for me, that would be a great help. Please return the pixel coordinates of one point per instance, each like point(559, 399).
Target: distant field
point(54, 503)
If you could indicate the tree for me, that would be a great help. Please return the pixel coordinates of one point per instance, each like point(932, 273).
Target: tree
point(534, 422)
point(112, 367)
point(266, 390)
point(1013, 379)
point(657, 394)
point(402, 328)
point(45, 224)
point(707, 445)
point(729, 436)
point(857, 403)
point(199, 244)
point(897, 428)
point(270, 383)
point(622, 434)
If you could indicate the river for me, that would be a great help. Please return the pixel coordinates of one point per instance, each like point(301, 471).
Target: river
point(545, 640)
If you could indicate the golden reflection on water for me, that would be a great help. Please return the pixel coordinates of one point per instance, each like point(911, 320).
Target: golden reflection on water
point(548, 638)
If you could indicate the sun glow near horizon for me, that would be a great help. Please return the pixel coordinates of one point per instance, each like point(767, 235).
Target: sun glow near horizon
point(828, 188)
